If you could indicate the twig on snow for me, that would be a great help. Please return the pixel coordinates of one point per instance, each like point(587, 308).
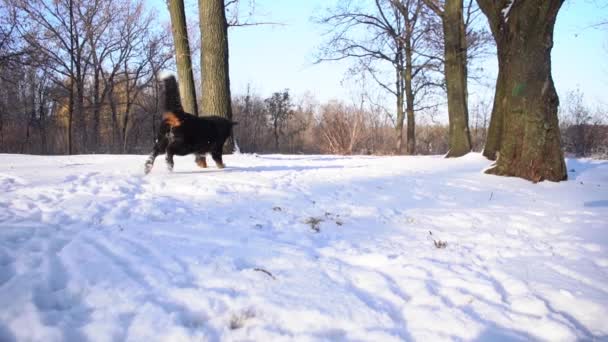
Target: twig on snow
point(438, 243)
point(265, 272)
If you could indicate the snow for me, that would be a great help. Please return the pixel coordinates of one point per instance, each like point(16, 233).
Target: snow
point(505, 11)
point(90, 249)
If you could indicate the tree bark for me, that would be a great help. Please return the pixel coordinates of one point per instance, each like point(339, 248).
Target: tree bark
point(455, 46)
point(214, 62)
point(214, 59)
point(494, 133)
point(183, 58)
point(526, 101)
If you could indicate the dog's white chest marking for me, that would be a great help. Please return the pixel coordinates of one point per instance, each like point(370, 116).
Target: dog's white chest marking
point(171, 136)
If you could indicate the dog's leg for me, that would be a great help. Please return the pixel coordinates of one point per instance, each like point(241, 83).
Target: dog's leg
point(169, 159)
point(200, 160)
point(159, 148)
point(150, 162)
point(217, 158)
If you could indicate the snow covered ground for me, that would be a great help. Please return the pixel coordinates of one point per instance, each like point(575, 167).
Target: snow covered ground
point(299, 248)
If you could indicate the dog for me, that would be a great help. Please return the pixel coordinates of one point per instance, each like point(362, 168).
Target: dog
point(182, 133)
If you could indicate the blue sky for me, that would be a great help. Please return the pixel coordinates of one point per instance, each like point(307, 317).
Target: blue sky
point(272, 58)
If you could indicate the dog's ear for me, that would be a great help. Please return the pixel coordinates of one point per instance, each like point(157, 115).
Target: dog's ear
point(171, 119)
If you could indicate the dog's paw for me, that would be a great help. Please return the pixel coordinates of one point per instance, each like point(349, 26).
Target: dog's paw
point(170, 167)
point(148, 168)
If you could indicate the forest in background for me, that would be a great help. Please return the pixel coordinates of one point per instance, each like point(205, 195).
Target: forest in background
point(81, 77)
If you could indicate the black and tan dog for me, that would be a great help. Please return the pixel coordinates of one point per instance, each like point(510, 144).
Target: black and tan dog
point(182, 133)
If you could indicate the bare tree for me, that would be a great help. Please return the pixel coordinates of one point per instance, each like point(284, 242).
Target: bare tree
point(524, 133)
point(388, 35)
point(480, 117)
point(11, 47)
point(279, 109)
point(342, 127)
point(85, 71)
point(250, 113)
point(56, 32)
point(583, 130)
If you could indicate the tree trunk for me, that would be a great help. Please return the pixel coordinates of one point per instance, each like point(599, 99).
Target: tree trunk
point(526, 101)
point(275, 133)
point(183, 58)
point(456, 78)
point(70, 115)
point(79, 102)
point(80, 112)
point(96, 110)
point(411, 132)
point(399, 123)
point(156, 107)
point(214, 61)
point(494, 132)
point(71, 95)
point(114, 111)
point(1, 128)
point(127, 112)
point(43, 125)
point(409, 100)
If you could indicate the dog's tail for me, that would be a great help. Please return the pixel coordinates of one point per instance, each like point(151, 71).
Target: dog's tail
point(172, 105)
point(171, 100)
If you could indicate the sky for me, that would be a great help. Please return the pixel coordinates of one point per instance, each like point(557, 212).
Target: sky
point(271, 58)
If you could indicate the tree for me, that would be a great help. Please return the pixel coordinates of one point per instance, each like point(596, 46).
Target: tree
point(249, 111)
point(11, 47)
point(215, 76)
point(183, 60)
point(342, 127)
point(214, 59)
point(54, 31)
point(279, 108)
point(524, 135)
point(391, 35)
point(455, 66)
point(584, 132)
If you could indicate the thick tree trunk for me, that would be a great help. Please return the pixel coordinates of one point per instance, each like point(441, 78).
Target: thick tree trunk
point(183, 57)
point(214, 62)
point(456, 78)
point(214, 59)
point(526, 100)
